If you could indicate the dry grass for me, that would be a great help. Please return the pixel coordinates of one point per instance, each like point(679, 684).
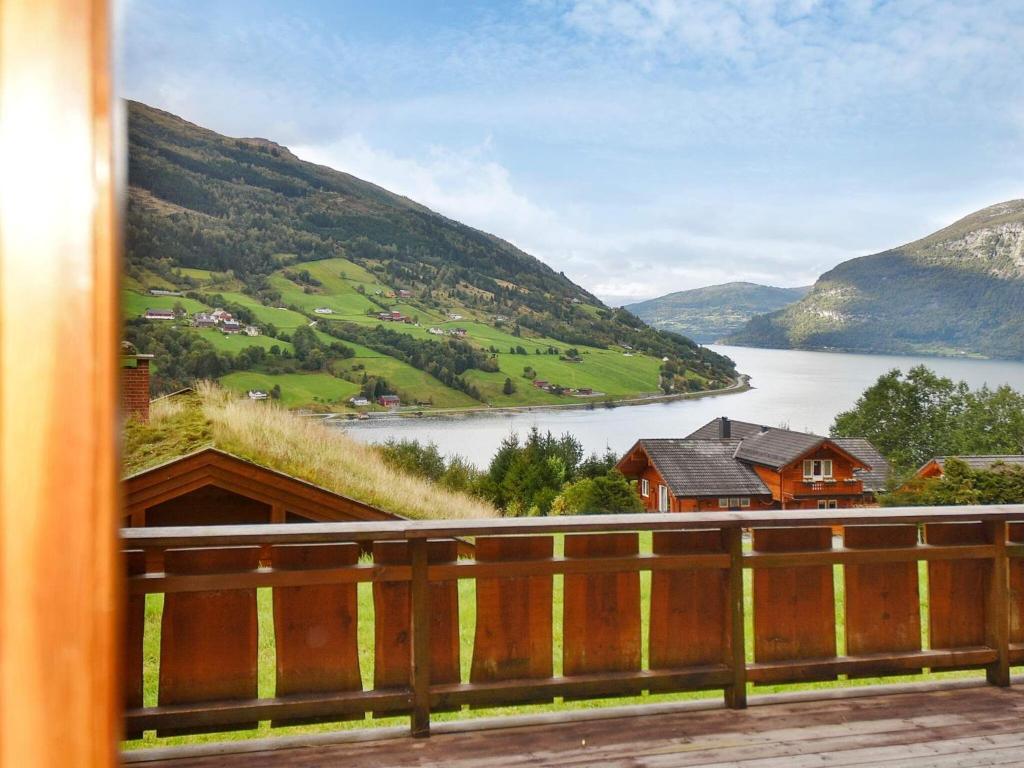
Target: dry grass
point(289, 443)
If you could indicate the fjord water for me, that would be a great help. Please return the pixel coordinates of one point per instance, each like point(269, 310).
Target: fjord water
point(800, 390)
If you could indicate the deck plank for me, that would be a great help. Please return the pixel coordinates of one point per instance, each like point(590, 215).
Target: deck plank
point(964, 727)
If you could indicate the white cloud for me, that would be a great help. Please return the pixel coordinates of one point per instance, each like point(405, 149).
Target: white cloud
point(641, 146)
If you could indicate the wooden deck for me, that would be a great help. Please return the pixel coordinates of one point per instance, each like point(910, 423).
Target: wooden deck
point(963, 726)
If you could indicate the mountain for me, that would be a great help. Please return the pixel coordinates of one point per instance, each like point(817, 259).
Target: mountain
point(311, 258)
point(708, 314)
point(957, 291)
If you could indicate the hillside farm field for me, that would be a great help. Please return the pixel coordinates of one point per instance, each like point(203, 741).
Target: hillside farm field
point(297, 389)
point(467, 614)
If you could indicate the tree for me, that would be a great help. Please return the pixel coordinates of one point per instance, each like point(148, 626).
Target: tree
point(304, 341)
point(275, 392)
point(915, 417)
point(605, 494)
point(509, 388)
point(959, 484)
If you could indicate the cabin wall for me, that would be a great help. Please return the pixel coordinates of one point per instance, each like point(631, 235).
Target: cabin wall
point(655, 479)
point(208, 506)
point(710, 504)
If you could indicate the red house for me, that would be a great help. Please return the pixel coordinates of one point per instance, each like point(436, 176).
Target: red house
point(738, 465)
point(389, 401)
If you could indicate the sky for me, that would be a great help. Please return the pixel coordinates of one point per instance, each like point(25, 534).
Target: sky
point(640, 146)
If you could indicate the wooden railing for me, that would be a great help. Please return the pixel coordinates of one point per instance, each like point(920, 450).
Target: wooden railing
point(696, 621)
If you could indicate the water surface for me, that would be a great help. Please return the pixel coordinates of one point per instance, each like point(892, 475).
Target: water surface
point(799, 390)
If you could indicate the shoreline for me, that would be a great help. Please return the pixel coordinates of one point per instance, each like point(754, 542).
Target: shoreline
point(741, 385)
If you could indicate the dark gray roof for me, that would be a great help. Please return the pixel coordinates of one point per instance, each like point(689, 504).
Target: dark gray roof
point(983, 462)
point(776, 447)
point(703, 467)
point(740, 429)
point(874, 479)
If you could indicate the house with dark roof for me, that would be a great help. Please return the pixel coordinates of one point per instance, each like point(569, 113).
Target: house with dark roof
point(736, 465)
point(937, 466)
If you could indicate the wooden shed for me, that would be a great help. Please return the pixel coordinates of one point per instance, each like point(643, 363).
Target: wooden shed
point(212, 487)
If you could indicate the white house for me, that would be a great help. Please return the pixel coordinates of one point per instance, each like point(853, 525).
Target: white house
point(324, 311)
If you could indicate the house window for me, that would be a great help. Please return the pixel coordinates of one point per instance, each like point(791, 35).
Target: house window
point(828, 504)
point(733, 502)
point(645, 487)
point(817, 469)
point(662, 498)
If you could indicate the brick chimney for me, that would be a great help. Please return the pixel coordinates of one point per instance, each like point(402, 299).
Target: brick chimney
point(724, 427)
point(135, 385)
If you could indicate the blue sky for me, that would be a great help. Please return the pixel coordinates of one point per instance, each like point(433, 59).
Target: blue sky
point(642, 146)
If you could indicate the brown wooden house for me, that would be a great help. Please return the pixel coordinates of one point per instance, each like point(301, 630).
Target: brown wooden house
point(937, 466)
point(212, 487)
point(735, 465)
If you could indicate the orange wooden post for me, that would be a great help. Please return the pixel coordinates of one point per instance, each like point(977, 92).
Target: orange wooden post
point(513, 615)
point(60, 577)
point(601, 611)
point(315, 625)
point(736, 694)
point(997, 615)
point(419, 627)
point(794, 607)
point(883, 601)
point(957, 589)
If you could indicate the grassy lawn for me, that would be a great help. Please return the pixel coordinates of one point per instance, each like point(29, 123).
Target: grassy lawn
point(281, 318)
point(297, 389)
point(467, 615)
point(134, 303)
point(236, 342)
point(203, 275)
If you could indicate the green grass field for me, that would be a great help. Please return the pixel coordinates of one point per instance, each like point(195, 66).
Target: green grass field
point(297, 389)
point(285, 319)
point(608, 372)
point(467, 616)
point(236, 342)
point(134, 304)
point(203, 275)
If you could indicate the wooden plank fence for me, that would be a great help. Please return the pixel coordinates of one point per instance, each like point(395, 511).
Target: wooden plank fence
point(697, 612)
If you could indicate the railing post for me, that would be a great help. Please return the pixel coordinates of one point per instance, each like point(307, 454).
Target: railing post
point(997, 615)
point(419, 628)
point(736, 693)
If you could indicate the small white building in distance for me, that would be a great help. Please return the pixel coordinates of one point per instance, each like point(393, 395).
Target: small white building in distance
point(436, 331)
point(324, 311)
point(358, 401)
point(256, 394)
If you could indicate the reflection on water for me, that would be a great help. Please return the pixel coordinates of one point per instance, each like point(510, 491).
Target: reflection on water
point(800, 390)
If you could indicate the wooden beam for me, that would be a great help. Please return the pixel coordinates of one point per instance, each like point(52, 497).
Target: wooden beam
point(997, 614)
point(419, 627)
point(736, 693)
point(59, 327)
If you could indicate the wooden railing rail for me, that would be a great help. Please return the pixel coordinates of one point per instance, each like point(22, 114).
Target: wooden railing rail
point(698, 618)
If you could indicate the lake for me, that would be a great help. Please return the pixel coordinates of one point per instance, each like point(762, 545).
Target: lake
point(800, 390)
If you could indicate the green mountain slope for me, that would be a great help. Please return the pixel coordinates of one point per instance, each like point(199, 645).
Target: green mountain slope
point(312, 256)
point(957, 291)
point(708, 314)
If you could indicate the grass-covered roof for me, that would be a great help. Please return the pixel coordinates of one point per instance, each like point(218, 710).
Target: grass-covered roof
point(295, 445)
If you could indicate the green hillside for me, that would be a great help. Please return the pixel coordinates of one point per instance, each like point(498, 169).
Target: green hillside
point(957, 291)
point(713, 312)
point(311, 256)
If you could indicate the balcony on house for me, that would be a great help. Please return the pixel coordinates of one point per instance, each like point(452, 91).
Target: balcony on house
point(687, 619)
